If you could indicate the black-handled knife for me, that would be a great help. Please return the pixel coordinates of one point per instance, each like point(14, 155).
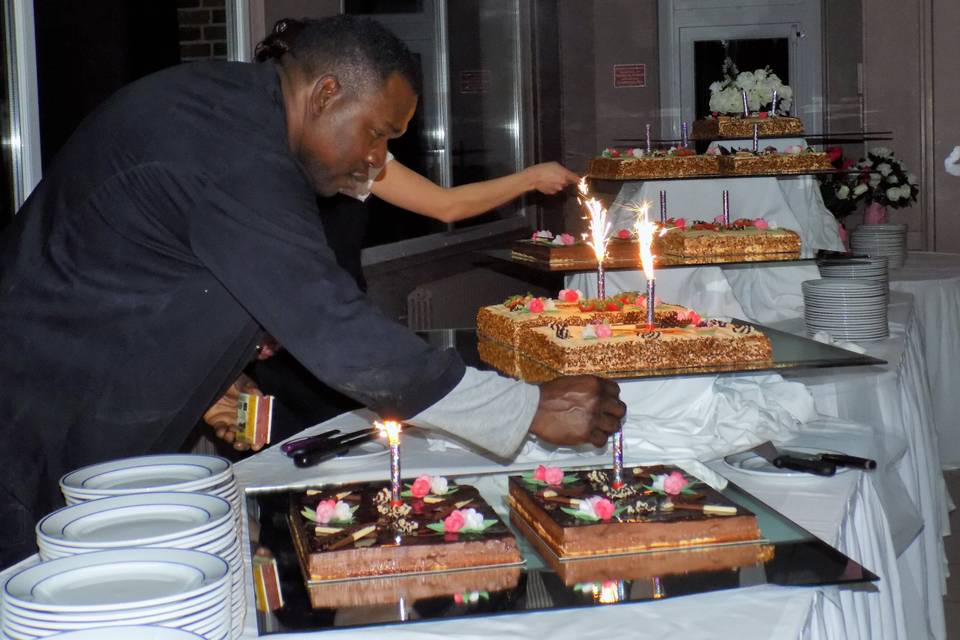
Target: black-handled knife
point(303, 443)
point(844, 460)
point(768, 452)
point(319, 454)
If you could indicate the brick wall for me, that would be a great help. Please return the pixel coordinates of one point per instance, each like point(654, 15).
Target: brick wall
point(203, 29)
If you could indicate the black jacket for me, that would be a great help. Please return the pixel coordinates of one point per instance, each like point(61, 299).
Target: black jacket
point(172, 229)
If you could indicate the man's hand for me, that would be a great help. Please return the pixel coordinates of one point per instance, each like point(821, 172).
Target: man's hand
point(222, 416)
point(578, 409)
point(550, 177)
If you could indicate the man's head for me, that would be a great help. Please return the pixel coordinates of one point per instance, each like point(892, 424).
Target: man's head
point(349, 85)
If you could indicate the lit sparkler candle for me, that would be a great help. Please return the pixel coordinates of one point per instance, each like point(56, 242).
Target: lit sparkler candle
point(391, 429)
point(663, 207)
point(746, 104)
point(649, 142)
point(756, 137)
point(599, 232)
point(726, 207)
point(773, 104)
point(684, 134)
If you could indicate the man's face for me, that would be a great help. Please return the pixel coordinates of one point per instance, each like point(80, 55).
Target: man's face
point(348, 137)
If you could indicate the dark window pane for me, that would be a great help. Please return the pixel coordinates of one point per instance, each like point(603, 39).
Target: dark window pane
point(6, 174)
point(382, 6)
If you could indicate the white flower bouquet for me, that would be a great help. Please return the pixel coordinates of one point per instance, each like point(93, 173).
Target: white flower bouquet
point(884, 180)
point(725, 95)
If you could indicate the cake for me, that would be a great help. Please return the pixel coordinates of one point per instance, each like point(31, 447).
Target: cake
point(582, 515)
point(637, 164)
point(616, 350)
point(461, 587)
point(743, 239)
point(794, 160)
point(354, 531)
point(740, 127)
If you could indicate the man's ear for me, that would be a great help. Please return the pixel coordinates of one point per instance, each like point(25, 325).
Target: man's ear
point(324, 92)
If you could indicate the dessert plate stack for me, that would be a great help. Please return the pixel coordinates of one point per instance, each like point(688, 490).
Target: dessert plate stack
point(847, 309)
point(174, 588)
point(145, 475)
point(866, 268)
point(877, 240)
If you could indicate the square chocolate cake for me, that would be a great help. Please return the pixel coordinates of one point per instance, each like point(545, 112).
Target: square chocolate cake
point(656, 508)
point(355, 531)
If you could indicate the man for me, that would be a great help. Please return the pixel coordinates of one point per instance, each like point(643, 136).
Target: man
point(177, 226)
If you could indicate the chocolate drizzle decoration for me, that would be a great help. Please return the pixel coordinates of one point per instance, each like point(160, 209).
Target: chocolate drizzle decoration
point(742, 328)
point(650, 335)
point(716, 323)
point(561, 330)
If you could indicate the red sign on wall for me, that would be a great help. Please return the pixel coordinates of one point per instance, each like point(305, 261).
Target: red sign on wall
point(629, 75)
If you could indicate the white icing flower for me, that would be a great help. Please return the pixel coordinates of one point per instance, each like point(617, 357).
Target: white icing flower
point(589, 333)
point(548, 305)
point(658, 481)
point(438, 485)
point(341, 511)
point(472, 519)
point(773, 225)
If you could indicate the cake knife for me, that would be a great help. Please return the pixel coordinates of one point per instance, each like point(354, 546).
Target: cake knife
point(768, 452)
point(331, 448)
point(304, 443)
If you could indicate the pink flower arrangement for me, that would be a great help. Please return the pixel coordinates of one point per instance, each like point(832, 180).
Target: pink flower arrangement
point(691, 317)
point(332, 511)
point(541, 235)
point(719, 219)
point(535, 305)
point(623, 234)
point(565, 239)
point(672, 484)
point(570, 295)
point(325, 511)
point(604, 330)
point(550, 475)
point(466, 520)
point(761, 224)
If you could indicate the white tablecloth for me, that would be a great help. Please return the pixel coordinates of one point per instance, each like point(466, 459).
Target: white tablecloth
point(934, 281)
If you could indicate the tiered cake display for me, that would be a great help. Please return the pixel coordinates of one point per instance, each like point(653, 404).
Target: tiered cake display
point(637, 164)
point(741, 239)
point(793, 160)
point(718, 127)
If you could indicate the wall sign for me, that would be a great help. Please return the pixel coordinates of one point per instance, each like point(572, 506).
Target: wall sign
point(474, 81)
point(629, 75)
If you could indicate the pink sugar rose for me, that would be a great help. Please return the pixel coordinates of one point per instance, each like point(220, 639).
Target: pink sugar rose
point(674, 483)
point(623, 234)
point(453, 522)
point(569, 295)
point(567, 239)
point(553, 475)
point(603, 508)
point(692, 317)
point(535, 305)
point(719, 219)
point(761, 224)
point(681, 223)
point(421, 486)
point(540, 473)
point(325, 511)
point(603, 330)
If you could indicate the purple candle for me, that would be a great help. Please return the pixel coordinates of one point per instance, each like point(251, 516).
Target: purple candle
point(663, 207)
point(746, 105)
point(618, 458)
point(651, 301)
point(756, 137)
point(726, 207)
point(684, 134)
point(649, 146)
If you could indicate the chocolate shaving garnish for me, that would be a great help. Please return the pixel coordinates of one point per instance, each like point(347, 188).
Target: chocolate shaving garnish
point(742, 328)
point(562, 332)
point(713, 322)
point(650, 335)
point(345, 536)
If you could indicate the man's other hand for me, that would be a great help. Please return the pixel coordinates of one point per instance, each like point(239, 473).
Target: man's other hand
point(222, 416)
point(578, 409)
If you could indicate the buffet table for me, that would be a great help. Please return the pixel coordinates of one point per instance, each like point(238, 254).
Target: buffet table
point(846, 510)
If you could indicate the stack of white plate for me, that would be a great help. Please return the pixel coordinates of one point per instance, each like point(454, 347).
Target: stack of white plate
point(158, 520)
point(877, 240)
point(175, 588)
point(860, 268)
point(848, 310)
point(201, 474)
point(140, 632)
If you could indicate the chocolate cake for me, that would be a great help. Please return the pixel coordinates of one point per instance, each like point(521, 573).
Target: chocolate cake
point(354, 531)
point(740, 127)
point(657, 508)
point(633, 347)
point(620, 253)
point(458, 585)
